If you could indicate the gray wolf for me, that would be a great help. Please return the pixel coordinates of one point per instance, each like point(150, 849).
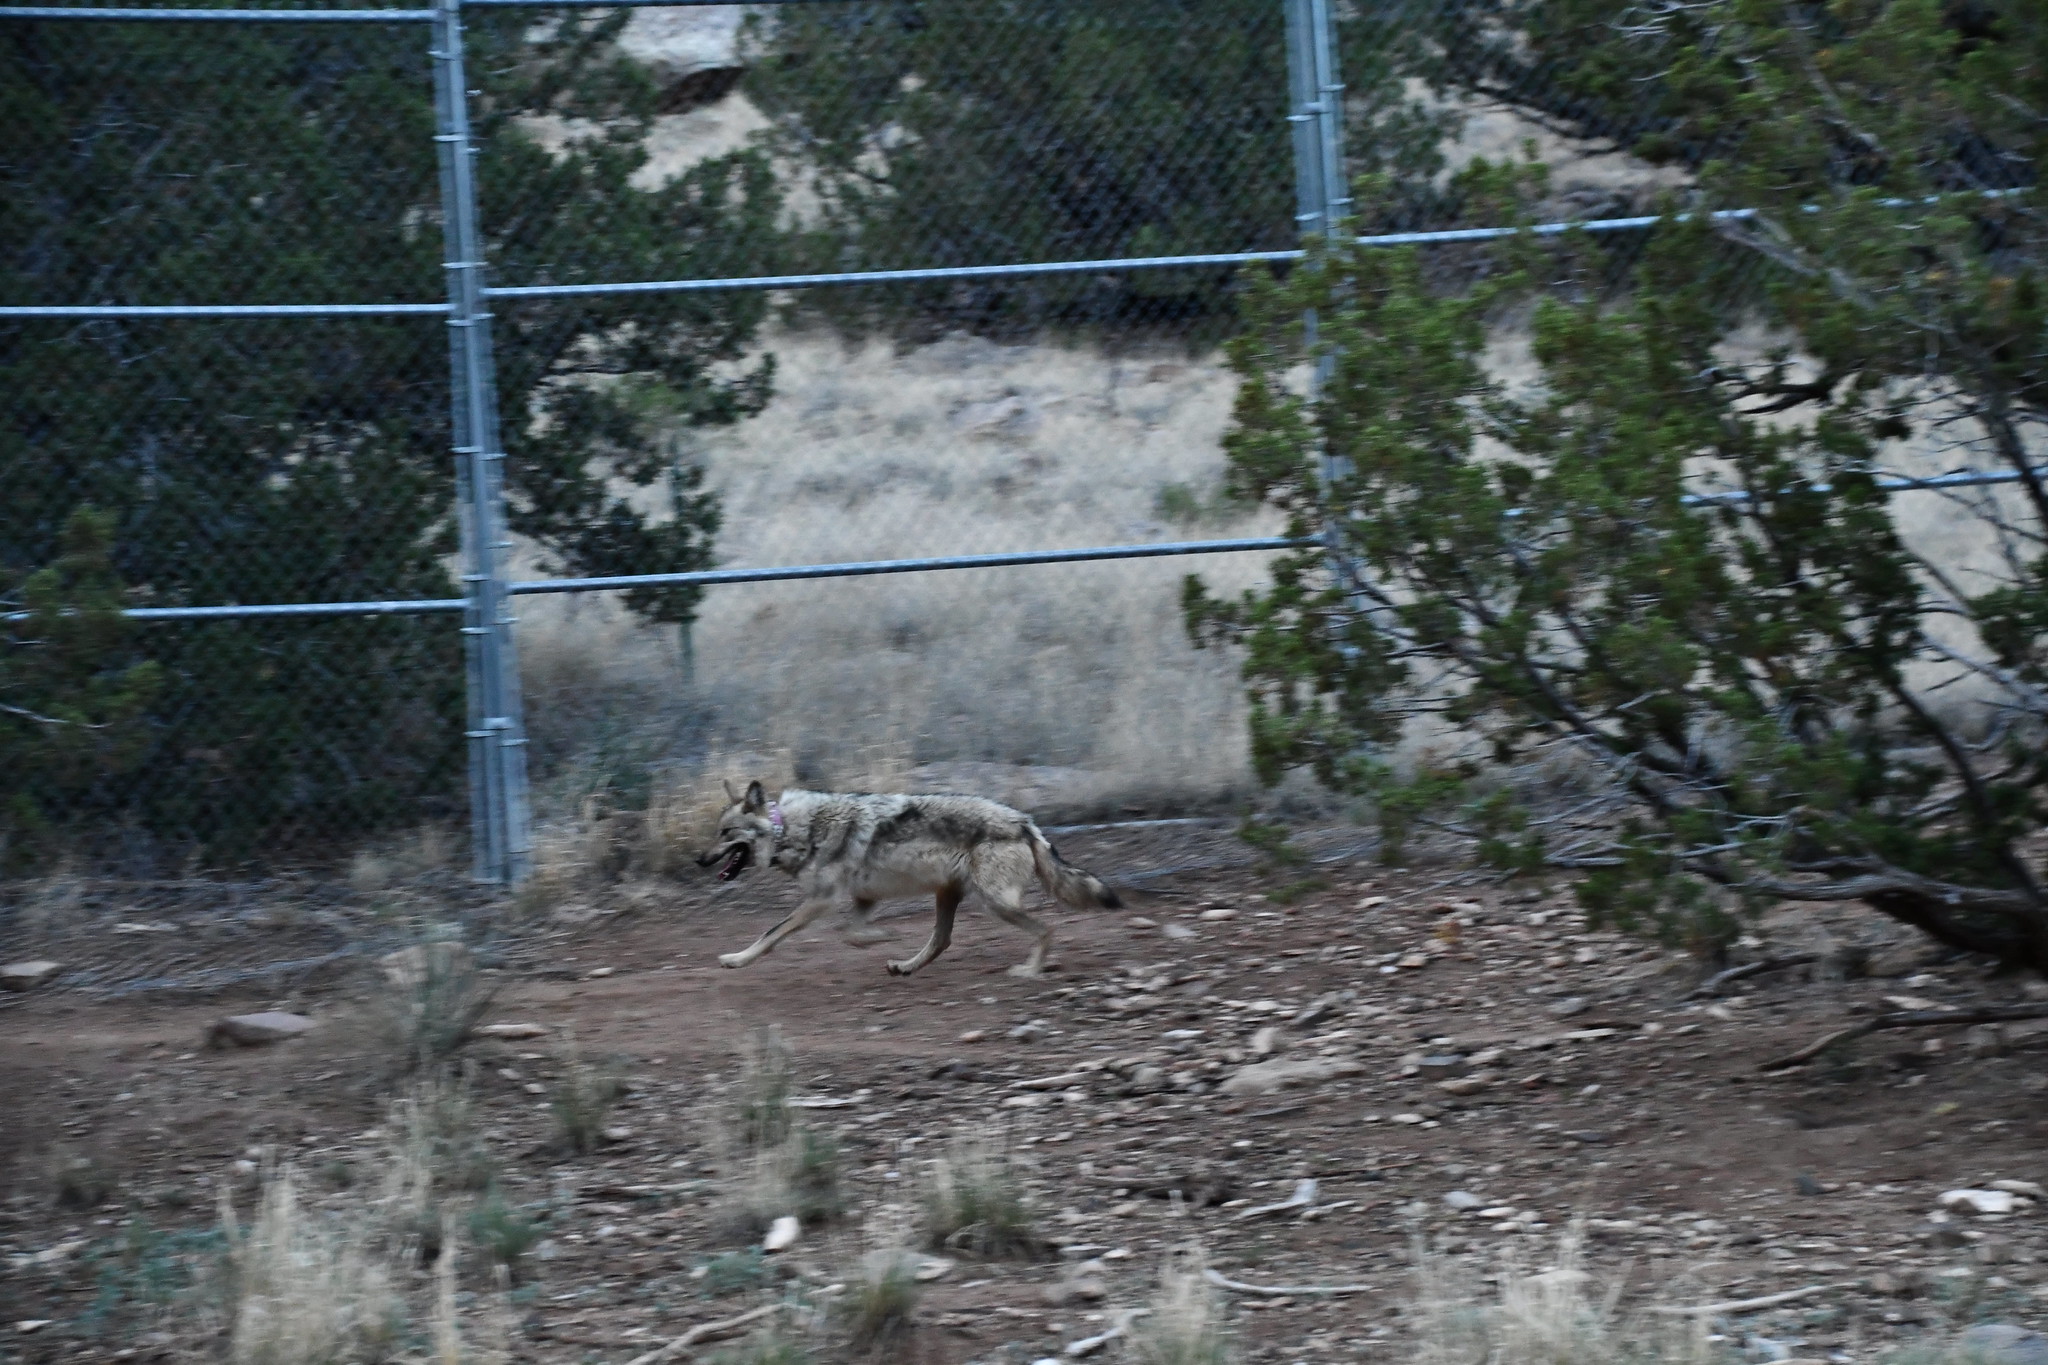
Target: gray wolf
point(850, 850)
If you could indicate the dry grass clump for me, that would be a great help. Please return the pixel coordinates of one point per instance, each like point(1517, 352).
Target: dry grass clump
point(435, 1123)
point(79, 1180)
point(304, 1286)
point(304, 1290)
point(431, 997)
point(423, 854)
point(1557, 1316)
point(975, 1201)
point(781, 1167)
point(1183, 1322)
point(582, 1098)
point(879, 1303)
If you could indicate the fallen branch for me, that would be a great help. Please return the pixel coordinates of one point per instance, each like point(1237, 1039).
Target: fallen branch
point(1713, 984)
point(1222, 1281)
point(706, 1331)
point(1742, 1305)
point(1989, 1014)
point(1090, 1345)
point(1303, 1196)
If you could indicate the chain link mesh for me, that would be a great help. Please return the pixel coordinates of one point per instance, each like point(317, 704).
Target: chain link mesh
point(306, 459)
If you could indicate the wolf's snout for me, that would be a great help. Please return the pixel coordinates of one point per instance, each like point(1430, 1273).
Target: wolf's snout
point(736, 857)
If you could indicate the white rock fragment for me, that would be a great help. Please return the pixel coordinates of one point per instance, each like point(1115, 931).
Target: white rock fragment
point(1979, 1201)
point(782, 1234)
point(513, 1032)
point(22, 976)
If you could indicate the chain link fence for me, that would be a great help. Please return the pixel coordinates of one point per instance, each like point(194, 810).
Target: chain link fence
point(761, 317)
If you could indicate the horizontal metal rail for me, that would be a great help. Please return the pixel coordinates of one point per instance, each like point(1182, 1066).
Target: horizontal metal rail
point(1106, 265)
point(865, 568)
point(224, 16)
point(1969, 478)
point(871, 567)
point(942, 272)
point(615, 4)
point(220, 310)
point(1103, 266)
point(708, 577)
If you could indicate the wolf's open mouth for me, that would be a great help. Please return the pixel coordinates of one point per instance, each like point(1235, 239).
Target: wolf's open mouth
point(736, 864)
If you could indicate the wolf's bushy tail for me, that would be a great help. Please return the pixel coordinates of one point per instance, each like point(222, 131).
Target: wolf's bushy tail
point(1068, 884)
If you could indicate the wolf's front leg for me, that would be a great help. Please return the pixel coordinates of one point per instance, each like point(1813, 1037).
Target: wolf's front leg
point(797, 919)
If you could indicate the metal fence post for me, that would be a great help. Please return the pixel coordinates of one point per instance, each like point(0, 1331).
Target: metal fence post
point(500, 821)
point(1321, 191)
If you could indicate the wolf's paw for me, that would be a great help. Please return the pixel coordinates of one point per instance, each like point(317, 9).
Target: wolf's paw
point(1027, 969)
point(732, 959)
point(903, 968)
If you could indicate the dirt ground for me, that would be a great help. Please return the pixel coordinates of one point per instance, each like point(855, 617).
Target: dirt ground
point(1467, 1039)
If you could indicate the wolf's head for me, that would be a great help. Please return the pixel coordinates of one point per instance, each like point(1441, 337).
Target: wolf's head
point(746, 833)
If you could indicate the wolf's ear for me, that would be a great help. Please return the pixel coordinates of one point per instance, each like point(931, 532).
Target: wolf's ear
point(756, 798)
point(732, 793)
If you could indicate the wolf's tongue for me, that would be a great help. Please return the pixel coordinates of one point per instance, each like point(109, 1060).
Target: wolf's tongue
point(732, 864)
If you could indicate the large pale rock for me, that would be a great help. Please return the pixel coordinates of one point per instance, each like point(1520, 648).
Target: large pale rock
point(1263, 1078)
point(691, 51)
point(256, 1030)
point(1979, 1201)
point(22, 976)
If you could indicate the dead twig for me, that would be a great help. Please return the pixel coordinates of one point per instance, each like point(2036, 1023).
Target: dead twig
point(1989, 1014)
point(1221, 1281)
point(706, 1331)
point(1741, 1305)
point(1090, 1345)
point(1713, 984)
point(1304, 1195)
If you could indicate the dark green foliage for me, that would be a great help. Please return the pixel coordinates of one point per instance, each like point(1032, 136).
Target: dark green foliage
point(73, 691)
point(948, 133)
point(735, 1272)
point(308, 459)
point(1801, 693)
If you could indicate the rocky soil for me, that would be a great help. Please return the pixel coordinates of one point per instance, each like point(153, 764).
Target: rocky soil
point(1311, 1088)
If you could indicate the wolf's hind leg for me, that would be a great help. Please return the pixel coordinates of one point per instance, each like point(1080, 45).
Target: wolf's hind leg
point(948, 901)
point(796, 920)
point(864, 932)
point(1008, 904)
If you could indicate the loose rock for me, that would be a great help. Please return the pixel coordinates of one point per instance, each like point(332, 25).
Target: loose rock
point(1979, 1201)
point(513, 1032)
point(1263, 1078)
point(256, 1030)
point(1463, 1201)
point(22, 976)
point(782, 1234)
